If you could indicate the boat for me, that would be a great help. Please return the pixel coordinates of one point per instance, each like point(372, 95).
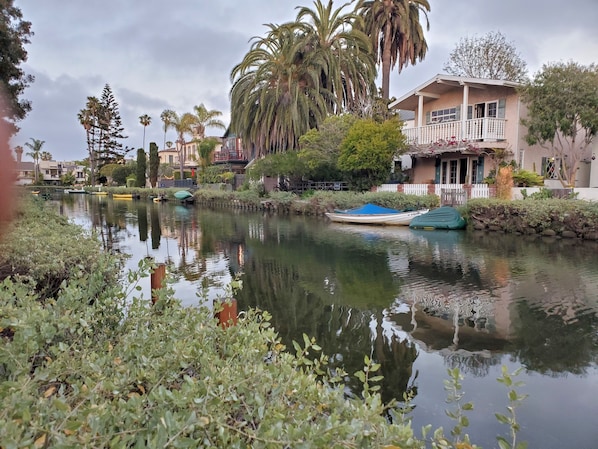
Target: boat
point(160, 199)
point(444, 217)
point(372, 214)
point(35, 192)
point(184, 196)
point(99, 192)
point(75, 191)
point(125, 196)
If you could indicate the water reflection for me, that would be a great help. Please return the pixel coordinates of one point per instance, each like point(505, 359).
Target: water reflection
point(415, 301)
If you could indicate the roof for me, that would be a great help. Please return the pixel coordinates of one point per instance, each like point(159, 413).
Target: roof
point(439, 85)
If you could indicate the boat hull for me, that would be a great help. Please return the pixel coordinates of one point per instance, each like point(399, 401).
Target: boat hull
point(392, 219)
point(445, 217)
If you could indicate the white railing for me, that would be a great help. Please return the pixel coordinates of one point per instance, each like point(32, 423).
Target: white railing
point(473, 190)
point(479, 129)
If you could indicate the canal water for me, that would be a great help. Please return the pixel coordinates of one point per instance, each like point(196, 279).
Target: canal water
point(417, 302)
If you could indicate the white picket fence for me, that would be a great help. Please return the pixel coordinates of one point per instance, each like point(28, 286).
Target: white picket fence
point(475, 190)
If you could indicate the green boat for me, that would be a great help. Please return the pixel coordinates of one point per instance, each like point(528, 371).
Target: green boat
point(185, 196)
point(445, 217)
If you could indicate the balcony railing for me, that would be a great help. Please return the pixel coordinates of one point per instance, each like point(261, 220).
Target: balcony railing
point(229, 156)
point(479, 129)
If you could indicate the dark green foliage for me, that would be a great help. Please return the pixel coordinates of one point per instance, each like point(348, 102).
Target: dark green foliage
point(14, 34)
point(121, 173)
point(526, 178)
point(140, 168)
point(154, 164)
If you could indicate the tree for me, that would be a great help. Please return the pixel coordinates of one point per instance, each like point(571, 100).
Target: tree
point(36, 149)
point(206, 119)
point(14, 34)
point(562, 102)
point(45, 156)
point(140, 168)
point(183, 125)
point(320, 148)
point(205, 150)
point(154, 164)
point(368, 151)
point(145, 121)
point(490, 56)
point(103, 129)
point(298, 74)
point(166, 117)
point(396, 33)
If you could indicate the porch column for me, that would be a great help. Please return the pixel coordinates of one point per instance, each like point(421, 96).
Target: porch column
point(464, 111)
point(420, 117)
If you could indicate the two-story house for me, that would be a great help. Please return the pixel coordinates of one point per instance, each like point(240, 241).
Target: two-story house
point(463, 127)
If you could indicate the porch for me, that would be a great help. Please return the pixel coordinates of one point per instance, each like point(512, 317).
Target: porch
point(486, 129)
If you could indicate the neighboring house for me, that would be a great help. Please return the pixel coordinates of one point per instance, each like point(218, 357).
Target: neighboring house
point(25, 173)
point(462, 127)
point(231, 152)
point(51, 172)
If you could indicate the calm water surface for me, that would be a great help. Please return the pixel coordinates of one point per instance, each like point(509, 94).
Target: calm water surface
point(418, 302)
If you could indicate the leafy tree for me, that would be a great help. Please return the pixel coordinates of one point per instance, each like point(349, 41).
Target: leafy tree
point(68, 179)
point(396, 33)
point(140, 169)
point(368, 151)
point(154, 164)
point(490, 56)
point(319, 148)
point(205, 149)
point(45, 156)
point(562, 102)
point(14, 34)
point(296, 75)
point(285, 164)
point(36, 149)
point(145, 120)
point(121, 173)
point(206, 119)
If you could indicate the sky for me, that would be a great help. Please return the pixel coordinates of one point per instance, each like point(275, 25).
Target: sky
point(158, 55)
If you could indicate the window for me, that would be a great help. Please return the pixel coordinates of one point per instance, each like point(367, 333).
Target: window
point(443, 115)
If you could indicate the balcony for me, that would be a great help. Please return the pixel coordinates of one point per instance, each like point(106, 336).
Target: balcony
point(229, 156)
point(476, 130)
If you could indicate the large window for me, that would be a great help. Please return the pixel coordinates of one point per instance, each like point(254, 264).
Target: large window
point(443, 115)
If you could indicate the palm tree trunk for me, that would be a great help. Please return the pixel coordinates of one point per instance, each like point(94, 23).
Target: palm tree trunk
point(386, 64)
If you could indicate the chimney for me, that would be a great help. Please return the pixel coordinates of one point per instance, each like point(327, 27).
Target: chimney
point(19, 151)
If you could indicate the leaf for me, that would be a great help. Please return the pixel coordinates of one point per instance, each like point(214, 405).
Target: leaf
point(49, 392)
point(502, 443)
point(41, 441)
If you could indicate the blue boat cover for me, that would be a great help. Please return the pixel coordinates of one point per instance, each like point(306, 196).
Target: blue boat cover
point(369, 209)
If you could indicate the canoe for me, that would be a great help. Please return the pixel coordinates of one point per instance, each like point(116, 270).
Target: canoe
point(75, 191)
point(125, 196)
point(371, 214)
point(445, 217)
point(159, 199)
point(103, 193)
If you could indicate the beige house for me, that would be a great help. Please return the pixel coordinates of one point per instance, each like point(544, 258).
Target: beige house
point(462, 128)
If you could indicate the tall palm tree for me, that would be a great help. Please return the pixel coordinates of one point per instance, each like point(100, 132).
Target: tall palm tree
point(296, 75)
point(36, 149)
point(145, 121)
point(182, 125)
point(396, 33)
point(166, 117)
point(206, 119)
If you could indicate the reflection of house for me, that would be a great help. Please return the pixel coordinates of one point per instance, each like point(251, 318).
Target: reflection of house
point(461, 124)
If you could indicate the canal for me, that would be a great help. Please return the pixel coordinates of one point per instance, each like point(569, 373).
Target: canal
point(417, 302)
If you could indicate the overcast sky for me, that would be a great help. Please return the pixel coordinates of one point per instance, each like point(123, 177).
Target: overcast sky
point(158, 55)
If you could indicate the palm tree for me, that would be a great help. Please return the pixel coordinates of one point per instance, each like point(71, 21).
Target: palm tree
point(183, 125)
point(36, 148)
point(46, 156)
point(396, 33)
point(206, 118)
point(296, 75)
point(144, 120)
point(166, 117)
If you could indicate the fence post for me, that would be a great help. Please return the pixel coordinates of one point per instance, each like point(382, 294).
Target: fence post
point(228, 315)
point(157, 280)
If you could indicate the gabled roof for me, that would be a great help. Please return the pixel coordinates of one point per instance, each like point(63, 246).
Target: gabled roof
point(439, 85)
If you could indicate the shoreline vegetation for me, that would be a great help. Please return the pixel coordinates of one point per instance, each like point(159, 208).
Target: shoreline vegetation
point(87, 363)
point(545, 217)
